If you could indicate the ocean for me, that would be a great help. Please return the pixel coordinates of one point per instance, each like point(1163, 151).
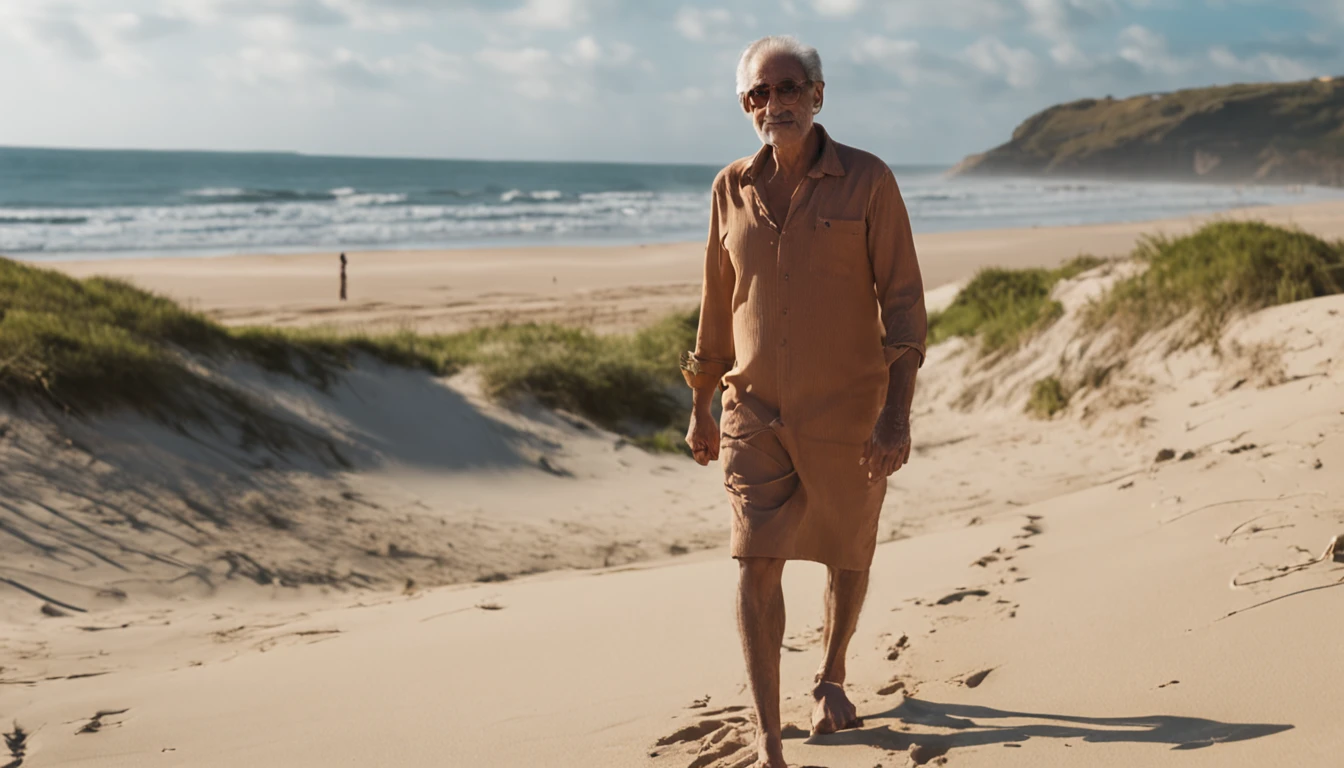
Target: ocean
point(115, 204)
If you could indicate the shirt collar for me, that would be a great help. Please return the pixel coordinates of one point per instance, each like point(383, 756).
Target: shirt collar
point(827, 164)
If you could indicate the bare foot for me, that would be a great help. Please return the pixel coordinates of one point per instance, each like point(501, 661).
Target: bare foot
point(770, 753)
point(833, 712)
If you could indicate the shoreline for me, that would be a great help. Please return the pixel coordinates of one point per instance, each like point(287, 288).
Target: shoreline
point(43, 258)
point(607, 288)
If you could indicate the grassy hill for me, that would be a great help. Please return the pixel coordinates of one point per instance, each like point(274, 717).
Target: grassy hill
point(1280, 133)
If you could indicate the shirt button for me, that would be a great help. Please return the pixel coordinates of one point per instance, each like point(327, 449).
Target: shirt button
point(786, 275)
point(783, 342)
point(786, 311)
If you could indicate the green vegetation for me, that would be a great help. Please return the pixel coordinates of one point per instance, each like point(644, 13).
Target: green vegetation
point(87, 343)
point(617, 381)
point(97, 344)
point(1002, 308)
point(669, 440)
point(1047, 398)
point(1224, 269)
point(1258, 133)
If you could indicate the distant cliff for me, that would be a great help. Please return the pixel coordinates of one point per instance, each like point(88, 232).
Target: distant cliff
point(1272, 133)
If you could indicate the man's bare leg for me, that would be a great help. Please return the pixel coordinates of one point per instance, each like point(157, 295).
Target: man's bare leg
point(845, 591)
point(760, 621)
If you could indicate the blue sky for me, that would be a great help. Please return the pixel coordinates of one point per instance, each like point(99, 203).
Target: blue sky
point(917, 81)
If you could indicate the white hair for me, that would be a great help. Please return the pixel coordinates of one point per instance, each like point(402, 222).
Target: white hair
point(788, 44)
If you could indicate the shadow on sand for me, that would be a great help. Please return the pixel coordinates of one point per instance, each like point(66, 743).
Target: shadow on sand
point(971, 729)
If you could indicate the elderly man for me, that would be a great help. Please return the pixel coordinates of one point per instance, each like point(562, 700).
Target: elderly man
point(812, 321)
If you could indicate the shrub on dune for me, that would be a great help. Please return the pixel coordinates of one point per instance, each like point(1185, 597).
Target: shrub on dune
point(1003, 308)
point(1047, 398)
point(1222, 270)
point(603, 378)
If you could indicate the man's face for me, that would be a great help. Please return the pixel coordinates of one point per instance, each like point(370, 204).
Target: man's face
point(776, 79)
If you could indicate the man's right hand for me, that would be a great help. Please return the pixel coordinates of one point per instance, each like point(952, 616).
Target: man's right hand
point(703, 436)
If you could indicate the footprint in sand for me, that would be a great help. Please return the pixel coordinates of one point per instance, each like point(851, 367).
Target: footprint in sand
point(960, 595)
point(804, 639)
point(894, 686)
point(1032, 528)
point(894, 652)
point(930, 753)
point(974, 681)
point(721, 742)
point(96, 723)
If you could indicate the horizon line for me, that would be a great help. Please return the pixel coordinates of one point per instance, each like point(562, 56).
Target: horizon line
point(300, 153)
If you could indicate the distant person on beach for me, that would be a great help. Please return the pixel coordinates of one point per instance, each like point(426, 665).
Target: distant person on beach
point(812, 322)
point(342, 277)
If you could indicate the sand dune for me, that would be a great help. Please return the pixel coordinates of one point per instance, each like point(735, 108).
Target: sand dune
point(389, 476)
point(1138, 581)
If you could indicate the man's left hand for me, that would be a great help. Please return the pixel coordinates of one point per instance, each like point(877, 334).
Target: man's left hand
point(888, 449)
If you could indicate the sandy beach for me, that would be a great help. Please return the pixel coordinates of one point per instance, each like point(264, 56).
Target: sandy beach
point(1141, 580)
point(604, 287)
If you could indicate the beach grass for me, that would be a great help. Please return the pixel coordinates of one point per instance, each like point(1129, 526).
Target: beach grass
point(94, 345)
point(1222, 270)
point(625, 383)
point(1047, 398)
point(89, 344)
point(1003, 308)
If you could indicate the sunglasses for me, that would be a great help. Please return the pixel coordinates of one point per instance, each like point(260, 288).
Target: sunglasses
point(787, 93)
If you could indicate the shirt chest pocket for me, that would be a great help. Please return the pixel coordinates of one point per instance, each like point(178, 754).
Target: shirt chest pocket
point(839, 247)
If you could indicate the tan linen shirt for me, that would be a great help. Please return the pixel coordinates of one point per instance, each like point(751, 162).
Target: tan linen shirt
point(800, 320)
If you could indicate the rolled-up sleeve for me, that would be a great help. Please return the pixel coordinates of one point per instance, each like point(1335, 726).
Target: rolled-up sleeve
point(714, 353)
point(900, 288)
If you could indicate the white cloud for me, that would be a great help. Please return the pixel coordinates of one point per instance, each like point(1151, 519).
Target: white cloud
point(587, 49)
point(86, 33)
point(1148, 51)
point(382, 16)
point(550, 14)
point(587, 53)
point(901, 57)
point(1068, 55)
point(837, 7)
point(431, 62)
point(702, 23)
point(378, 15)
point(1267, 65)
point(1015, 66)
point(688, 95)
point(270, 29)
point(580, 73)
point(295, 11)
point(906, 60)
point(257, 65)
point(1058, 20)
point(954, 14)
point(521, 61)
